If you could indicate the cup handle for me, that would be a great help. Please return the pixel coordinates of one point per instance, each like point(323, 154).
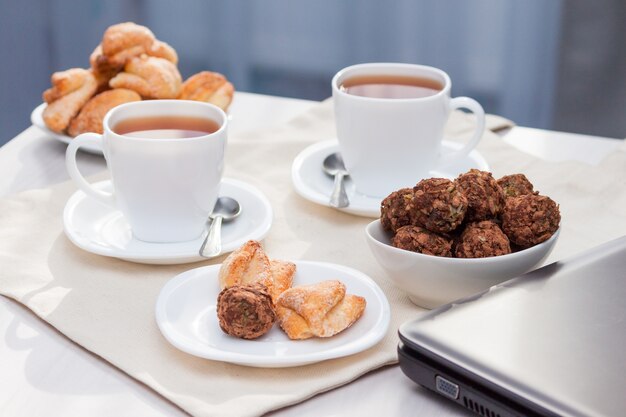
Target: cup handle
point(72, 167)
point(477, 109)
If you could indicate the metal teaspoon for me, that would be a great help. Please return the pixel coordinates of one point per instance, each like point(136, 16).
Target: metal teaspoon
point(333, 166)
point(226, 209)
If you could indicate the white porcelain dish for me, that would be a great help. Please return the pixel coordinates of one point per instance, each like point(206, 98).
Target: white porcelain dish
point(36, 118)
point(186, 315)
point(102, 230)
point(431, 281)
point(313, 184)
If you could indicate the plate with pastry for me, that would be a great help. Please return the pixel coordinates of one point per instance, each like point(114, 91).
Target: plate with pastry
point(129, 64)
point(255, 311)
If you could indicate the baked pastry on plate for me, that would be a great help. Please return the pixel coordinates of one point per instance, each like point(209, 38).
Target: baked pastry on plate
point(210, 87)
point(71, 89)
point(318, 310)
point(149, 76)
point(91, 115)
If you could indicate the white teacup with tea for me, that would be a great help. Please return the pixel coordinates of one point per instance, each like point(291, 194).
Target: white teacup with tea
point(390, 119)
point(166, 159)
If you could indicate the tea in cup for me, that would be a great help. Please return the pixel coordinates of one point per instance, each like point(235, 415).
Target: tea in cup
point(166, 159)
point(390, 119)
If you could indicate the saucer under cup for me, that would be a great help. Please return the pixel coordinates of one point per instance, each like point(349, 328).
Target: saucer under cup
point(103, 230)
point(310, 181)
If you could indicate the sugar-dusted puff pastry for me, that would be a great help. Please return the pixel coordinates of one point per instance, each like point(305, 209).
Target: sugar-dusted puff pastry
point(151, 77)
point(246, 265)
point(102, 69)
point(250, 264)
point(91, 115)
point(71, 89)
point(282, 277)
point(124, 41)
point(318, 310)
point(210, 87)
point(163, 50)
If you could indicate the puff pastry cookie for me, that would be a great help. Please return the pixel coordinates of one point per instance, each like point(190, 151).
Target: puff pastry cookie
point(282, 277)
point(210, 87)
point(246, 265)
point(124, 41)
point(250, 264)
point(163, 50)
point(91, 115)
point(101, 68)
point(71, 89)
point(151, 77)
point(319, 310)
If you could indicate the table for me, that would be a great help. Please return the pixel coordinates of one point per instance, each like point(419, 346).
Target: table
point(44, 373)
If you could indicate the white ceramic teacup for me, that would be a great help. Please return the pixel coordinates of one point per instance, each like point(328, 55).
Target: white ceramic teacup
point(165, 188)
point(391, 143)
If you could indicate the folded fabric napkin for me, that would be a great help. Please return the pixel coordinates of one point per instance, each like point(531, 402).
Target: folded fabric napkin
point(107, 305)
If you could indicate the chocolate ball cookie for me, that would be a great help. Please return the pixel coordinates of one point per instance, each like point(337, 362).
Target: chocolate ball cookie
point(418, 239)
point(530, 219)
point(439, 205)
point(397, 209)
point(484, 196)
point(245, 311)
point(515, 185)
point(481, 240)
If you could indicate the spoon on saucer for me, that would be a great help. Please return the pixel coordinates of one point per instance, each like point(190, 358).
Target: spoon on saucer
point(226, 209)
point(333, 166)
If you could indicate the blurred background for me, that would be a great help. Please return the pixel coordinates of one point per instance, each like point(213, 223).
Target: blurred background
point(550, 64)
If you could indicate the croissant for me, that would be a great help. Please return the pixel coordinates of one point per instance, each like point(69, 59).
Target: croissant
point(210, 87)
point(70, 91)
point(91, 115)
point(151, 77)
point(319, 310)
point(124, 41)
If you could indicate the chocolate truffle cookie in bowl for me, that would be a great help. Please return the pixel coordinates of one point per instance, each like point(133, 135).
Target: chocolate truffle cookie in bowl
point(445, 239)
point(431, 281)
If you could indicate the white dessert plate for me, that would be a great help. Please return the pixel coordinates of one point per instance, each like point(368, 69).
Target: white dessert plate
point(313, 184)
point(186, 315)
point(102, 230)
point(36, 118)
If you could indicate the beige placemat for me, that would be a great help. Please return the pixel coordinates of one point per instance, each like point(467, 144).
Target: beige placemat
point(107, 305)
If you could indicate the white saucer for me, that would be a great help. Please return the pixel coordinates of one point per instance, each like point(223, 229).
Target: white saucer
point(313, 184)
point(186, 315)
point(36, 118)
point(99, 229)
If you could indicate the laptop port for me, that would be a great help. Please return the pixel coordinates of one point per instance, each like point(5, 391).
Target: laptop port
point(447, 388)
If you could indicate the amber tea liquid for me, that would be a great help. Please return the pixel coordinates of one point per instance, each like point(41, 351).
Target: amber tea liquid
point(391, 86)
point(166, 127)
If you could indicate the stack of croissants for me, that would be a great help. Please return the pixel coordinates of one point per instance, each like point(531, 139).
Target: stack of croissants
point(130, 64)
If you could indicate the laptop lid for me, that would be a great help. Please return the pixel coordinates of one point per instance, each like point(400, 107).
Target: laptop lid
point(555, 337)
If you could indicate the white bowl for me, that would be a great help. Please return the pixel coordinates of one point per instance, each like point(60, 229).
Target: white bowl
point(432, 281)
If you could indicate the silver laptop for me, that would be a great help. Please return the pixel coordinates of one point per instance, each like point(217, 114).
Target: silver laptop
point(551, 342)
